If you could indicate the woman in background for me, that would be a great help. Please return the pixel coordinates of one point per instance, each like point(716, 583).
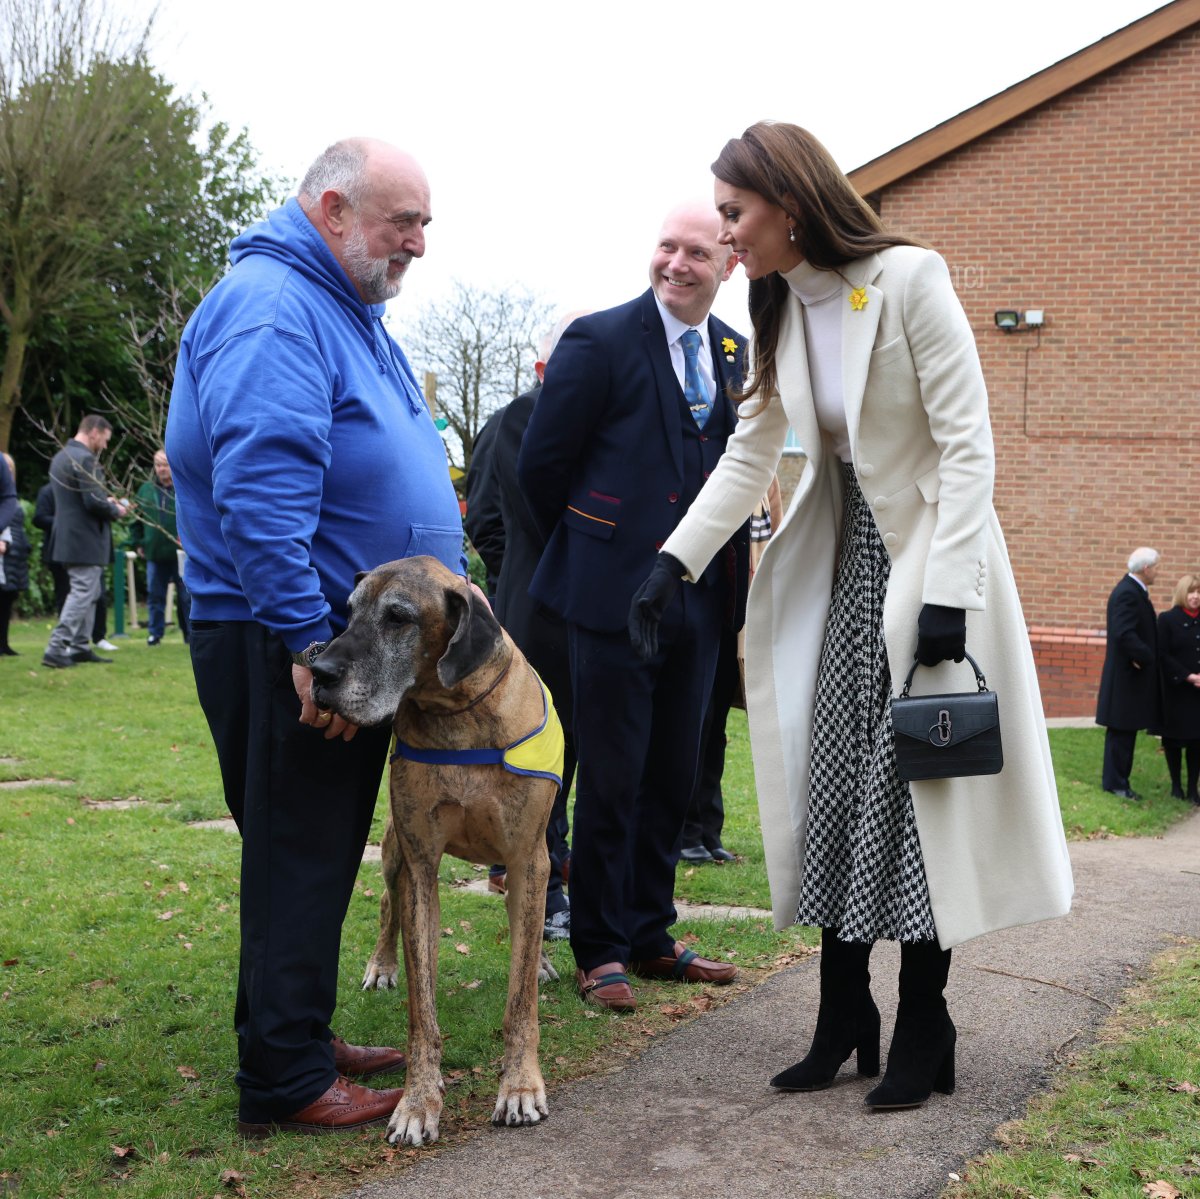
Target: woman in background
point(1179, 670)
point(890, 545)
point(14, 566)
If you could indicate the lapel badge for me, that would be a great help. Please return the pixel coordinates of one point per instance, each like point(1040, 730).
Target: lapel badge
point(858, 299)
point(730, 347)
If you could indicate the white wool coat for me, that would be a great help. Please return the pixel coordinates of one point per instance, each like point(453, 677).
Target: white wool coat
point(993, 846)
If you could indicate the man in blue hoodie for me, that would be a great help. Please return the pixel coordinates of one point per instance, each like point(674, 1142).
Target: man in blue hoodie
point(303, 452)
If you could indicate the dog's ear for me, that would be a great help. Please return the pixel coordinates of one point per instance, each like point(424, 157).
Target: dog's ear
point(477, 636)
point(358, 578)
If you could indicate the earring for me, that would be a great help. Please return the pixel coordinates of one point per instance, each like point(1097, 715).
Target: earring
point(792, 234)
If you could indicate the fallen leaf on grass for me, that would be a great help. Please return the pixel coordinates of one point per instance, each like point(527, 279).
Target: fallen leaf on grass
point(1081, 1160)
point(676, 1011)
point(233, 1180)
point(97, 983)
point(1161, 1189)
point(12, 962)
point(186, 1072)
point(463, 949)
point(473, 984)
point(447, 932)
point(1188, 1088)
point(167, 915)
point(121, 1151)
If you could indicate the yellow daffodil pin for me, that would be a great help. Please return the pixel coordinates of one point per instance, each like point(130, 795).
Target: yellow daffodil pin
point(729, 346)
point(858, 299)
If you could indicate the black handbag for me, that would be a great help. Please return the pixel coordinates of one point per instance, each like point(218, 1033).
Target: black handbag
point(947, 736)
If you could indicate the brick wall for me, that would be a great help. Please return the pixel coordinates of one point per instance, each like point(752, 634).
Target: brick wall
point(1088, 207)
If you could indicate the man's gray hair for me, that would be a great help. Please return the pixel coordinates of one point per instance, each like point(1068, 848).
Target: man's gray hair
point(1142, 557)
point(342, 168)
point(550, 340)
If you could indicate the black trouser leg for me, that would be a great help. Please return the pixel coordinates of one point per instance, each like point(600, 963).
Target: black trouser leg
point(921, 1058)
point(847, 1019)
point(1173, 752)
point(303, 805)
point(1193, 770)
point(1118, 758)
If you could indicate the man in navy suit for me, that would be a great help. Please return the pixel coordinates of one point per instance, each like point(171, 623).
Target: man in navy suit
point(1128, 698)
point(633, 415)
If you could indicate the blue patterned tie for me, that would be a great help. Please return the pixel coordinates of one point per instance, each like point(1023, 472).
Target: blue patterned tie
point(693, 384)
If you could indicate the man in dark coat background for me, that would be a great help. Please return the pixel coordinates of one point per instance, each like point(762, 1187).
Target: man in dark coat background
point(1129, 685)
point(81, 539)
point(633, 415)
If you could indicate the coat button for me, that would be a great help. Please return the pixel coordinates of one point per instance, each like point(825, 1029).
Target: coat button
point(658, 545)
point(880, 502)
point(708, 474)
point(673, 498)
point(866, 470)
point(890, 538)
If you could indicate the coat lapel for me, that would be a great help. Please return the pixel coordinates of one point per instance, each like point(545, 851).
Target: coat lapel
point(862, 303)
point(795, 387)
point(666, 384)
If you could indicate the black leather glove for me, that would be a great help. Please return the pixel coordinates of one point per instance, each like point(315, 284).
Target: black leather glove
point(941, 635)
point(650, 602)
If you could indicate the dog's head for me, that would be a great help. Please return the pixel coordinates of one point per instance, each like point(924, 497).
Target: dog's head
point(416, 629)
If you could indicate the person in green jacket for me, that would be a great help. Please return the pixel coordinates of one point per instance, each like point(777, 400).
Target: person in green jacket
point(156, 540)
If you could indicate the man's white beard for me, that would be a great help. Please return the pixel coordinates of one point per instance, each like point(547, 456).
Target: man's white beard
point(370, 274)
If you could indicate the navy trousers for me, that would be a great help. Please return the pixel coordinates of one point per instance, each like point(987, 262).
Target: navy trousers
point(1118, 758)
point(304, 807)
point(637, 736)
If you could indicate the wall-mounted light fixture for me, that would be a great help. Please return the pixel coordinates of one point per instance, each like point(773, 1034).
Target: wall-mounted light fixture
point(1010, 320)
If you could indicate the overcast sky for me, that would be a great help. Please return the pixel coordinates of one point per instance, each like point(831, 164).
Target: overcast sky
point(556, 135)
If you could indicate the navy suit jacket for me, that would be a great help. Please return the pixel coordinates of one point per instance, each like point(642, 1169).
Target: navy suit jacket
point(602, 462)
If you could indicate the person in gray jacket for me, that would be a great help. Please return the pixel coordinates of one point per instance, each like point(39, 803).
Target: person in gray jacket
point(82, 539)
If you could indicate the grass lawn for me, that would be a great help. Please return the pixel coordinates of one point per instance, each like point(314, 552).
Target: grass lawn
point(118, 944)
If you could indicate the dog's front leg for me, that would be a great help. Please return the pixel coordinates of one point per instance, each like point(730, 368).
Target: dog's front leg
point(383, 970)
point(415, 1120)
point(522, 1096)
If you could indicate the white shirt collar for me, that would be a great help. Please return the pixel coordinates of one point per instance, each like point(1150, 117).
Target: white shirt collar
point(675, 328)
point(1139, 582)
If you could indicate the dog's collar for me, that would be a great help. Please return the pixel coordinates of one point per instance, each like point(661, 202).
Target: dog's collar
point(538, 754)
point(478, 699)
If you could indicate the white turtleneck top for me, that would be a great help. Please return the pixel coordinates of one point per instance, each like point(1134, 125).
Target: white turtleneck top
point(819, 293)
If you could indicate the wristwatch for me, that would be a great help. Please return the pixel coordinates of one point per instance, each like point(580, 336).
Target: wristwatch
point(307, 656)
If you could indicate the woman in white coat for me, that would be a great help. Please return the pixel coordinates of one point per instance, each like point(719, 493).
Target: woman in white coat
point(890, 547)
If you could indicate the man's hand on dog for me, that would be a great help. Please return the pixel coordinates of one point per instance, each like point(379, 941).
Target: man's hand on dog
point(333, 724)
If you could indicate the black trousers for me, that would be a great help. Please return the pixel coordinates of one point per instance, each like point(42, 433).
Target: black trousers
point(637, 734)
point(1118, 758)
point(304, 807)
point(706, 812)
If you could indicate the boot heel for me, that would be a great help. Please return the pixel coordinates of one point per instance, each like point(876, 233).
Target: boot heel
point(943, 1082)
point(868, 1058)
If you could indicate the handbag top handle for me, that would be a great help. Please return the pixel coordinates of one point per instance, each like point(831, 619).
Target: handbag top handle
point(974, 666)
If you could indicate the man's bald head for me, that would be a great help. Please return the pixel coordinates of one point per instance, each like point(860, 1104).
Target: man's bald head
point(688, 264)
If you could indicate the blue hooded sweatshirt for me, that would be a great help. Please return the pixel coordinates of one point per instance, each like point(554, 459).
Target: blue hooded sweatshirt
point(300, 445)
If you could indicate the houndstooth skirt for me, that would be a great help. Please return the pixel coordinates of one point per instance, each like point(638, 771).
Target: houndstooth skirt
point(863, 871)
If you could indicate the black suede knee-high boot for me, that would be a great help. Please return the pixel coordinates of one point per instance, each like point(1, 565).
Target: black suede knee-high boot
point(1174, 756)
point(847, 1020)
point(921, 1059)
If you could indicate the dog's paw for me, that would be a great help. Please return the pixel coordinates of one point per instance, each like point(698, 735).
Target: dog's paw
point(379, 976)
point(520, 1105)
point(546, 971)
point(414, 1123)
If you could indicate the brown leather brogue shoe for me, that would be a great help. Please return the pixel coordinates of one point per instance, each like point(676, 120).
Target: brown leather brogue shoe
point(687, 966)
point(606, 986)
point(345, 1107)
point(365, 1061)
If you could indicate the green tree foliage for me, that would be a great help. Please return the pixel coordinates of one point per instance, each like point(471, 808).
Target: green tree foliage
point(117, 204)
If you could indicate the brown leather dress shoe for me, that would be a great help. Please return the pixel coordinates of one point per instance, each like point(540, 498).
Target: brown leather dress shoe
point(606, 986)
point(686, 966)
point(345, 1107)
point(363, 1061)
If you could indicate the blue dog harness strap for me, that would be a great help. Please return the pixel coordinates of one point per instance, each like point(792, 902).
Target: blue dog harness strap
point(539, 753)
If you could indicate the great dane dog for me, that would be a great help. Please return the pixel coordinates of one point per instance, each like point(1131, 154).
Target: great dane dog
point(424, 652)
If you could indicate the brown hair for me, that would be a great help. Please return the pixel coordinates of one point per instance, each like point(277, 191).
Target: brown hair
point(788, 167)
point(92, 422)
point(1186, 584)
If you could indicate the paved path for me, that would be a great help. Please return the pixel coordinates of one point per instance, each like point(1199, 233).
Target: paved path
point(693, 1116)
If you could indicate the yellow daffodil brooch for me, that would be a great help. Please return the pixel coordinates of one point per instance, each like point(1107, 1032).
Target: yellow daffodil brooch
point(730, 348)
point(858, 299)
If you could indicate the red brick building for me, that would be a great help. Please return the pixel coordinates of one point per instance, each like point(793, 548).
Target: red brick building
point(1077, 193)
